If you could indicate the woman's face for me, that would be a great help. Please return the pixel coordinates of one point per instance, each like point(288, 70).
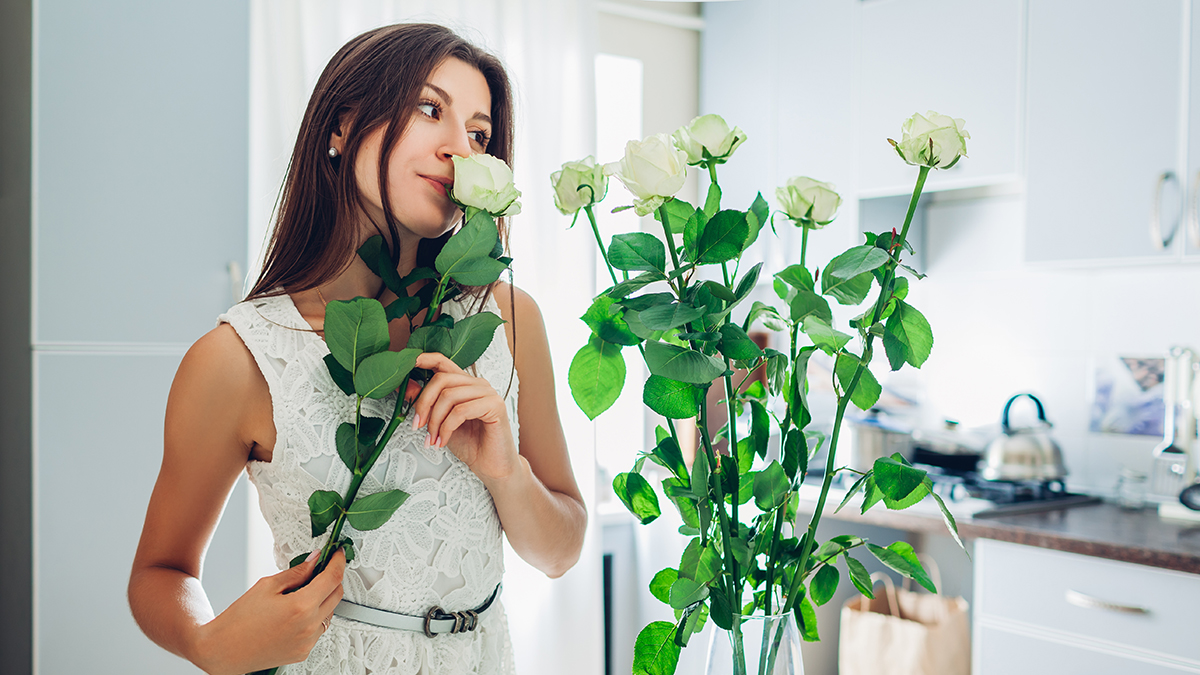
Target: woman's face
point(451, 119)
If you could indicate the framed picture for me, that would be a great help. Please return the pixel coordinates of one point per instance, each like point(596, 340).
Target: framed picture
point(1128, 396)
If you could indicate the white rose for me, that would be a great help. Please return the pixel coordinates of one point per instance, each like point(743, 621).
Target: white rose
point(932, 140)
point(652, 169)
point(810, 203)
point(578, 184)
point(711, 133)
point(486, 183)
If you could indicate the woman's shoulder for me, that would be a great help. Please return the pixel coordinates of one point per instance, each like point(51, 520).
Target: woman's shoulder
point(511, 300)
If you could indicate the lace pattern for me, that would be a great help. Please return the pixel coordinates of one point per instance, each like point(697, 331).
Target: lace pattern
point(442, 547)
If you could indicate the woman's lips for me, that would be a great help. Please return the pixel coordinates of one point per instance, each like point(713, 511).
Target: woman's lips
point(442, 187)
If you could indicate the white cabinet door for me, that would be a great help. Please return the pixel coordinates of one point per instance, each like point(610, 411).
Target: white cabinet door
point(1104, 108)
point(959, 59)
point(1190, 232)
point(142, 124)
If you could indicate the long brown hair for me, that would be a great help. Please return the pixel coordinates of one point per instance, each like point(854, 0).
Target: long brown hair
point(375, 79)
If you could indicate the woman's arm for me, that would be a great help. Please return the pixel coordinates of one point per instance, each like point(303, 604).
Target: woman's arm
point(534, 489)
point(214, 419)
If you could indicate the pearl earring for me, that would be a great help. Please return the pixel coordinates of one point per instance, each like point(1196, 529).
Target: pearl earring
point(333, 152)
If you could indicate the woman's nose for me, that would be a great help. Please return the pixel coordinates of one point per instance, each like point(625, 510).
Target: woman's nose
point(457, 143)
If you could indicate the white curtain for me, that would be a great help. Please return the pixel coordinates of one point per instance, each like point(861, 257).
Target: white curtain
point(548, 47)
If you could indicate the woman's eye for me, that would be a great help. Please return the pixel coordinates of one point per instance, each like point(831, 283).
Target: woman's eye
point(480, 137)
point(428, 110)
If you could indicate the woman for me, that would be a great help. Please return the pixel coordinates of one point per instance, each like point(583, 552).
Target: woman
point(373, 157)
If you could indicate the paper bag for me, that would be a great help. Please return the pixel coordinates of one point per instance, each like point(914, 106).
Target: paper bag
point(901, 632)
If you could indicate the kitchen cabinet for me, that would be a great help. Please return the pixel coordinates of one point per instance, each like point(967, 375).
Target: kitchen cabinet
point(919, 55)
point(1044, 611)
point(1105, 129)
point(1191, 233)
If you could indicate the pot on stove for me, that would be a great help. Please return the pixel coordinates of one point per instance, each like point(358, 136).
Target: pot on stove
point(1023, 453)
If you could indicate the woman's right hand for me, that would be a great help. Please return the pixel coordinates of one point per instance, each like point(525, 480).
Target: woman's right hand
point(269, 627)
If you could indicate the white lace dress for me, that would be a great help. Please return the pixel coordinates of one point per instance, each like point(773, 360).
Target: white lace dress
point(442, 547)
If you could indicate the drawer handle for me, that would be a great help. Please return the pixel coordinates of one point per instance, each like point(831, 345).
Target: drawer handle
point(1156, 228)
point(1088, 602)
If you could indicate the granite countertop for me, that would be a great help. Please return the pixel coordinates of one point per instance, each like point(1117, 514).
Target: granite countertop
point(1101, 530)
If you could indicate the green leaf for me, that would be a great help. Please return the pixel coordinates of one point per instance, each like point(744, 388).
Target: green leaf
point(907, 337)
point(341, 377)
point(298, 560)
point(679, 213)
point(709, 565)
point(689, 560)
point(372, 511)
point(797, 277)
point(806, 620)
point(639, 329)
point(666, 317)
point(746, 285)
point(769, 315)
point(859, 575)
point(643, 302)
point(671, 398)
point(720, 608)
point(324, 506)
point(824, 584)
point(368, 433)
point(806, 303)
point(912, 499)
point(719, 290)
point(637, 251)
point(431, 339)
point(872, 495)
point(793, 453)
point(723, 237)
point(951, 524)
point(692, 622)
point(856, 261)
point(713, 202)
point(347, 445)
point(756, 218)
point(736, 345)
point(771, 487)
point(471, 336)
point(850, 291)
point(685, 592)
point(700, 473)
point(380, 374)
point(655, 651)
point(348, 548)
point(824, 336)
point(760, 427)
point(596, 376)
point(355, 329)
point(628, 286)
point(895, 479)
point(401, 307)
point(858, 485)
point(685, 365)
point(867, 392)
point(637, 495)
point(466, 256)
point(668, 452)
point(380, 262)
point(660, 585)
point(900, 557)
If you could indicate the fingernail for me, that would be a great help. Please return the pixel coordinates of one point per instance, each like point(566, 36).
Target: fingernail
point(438, 442)
point(416, 421)
point(311, 556)
point(428, 440)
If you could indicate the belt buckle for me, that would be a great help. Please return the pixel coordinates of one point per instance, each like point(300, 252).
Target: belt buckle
point(464, 622)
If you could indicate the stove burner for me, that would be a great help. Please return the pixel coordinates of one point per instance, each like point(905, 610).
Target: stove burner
point(1009, 497)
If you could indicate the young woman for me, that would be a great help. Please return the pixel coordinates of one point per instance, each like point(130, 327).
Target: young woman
point(373, 157)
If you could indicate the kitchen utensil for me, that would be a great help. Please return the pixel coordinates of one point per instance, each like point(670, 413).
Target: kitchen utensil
point(1174, 464)
point(1024, 453)
point(875, 436)
point(1190, 497)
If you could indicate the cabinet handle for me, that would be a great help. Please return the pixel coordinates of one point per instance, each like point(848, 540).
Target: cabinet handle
point(1193, 224)
point(1088, 602)
point(1156, 234)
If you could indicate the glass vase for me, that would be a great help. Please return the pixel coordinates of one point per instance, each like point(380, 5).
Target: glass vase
point(757, 645)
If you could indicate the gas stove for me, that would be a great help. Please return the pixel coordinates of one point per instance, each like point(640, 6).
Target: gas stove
point(1003, 498)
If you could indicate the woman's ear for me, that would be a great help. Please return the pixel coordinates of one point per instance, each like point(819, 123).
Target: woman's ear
point(337, 140)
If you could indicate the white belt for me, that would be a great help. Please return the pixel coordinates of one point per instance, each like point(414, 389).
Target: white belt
point(435, 621)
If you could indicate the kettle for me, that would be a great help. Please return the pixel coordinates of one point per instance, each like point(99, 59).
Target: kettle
point(1023, 454)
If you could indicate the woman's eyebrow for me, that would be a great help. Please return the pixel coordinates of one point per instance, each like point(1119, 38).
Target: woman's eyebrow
point(450, 101)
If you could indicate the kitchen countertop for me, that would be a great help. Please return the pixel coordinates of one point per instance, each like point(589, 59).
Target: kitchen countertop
point(1100, 530)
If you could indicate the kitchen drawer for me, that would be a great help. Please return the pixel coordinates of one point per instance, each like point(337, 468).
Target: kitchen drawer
point(1001, 652)
point(1033, 586)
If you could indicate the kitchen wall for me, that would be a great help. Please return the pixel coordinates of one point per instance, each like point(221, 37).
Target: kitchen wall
point(1002, 326)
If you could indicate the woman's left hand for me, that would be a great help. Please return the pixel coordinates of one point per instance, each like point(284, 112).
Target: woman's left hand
point(465, 414)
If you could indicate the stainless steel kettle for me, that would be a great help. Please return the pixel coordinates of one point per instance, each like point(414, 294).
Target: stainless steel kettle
point(1026, 453)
